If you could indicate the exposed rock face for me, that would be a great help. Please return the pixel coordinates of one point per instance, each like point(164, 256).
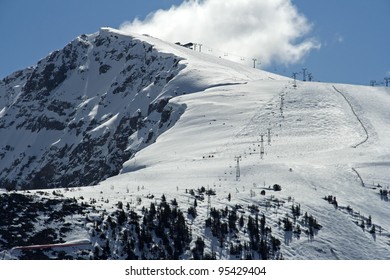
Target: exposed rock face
point(81, 112)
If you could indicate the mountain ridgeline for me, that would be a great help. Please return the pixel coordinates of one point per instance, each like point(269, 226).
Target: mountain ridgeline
point(81, 112)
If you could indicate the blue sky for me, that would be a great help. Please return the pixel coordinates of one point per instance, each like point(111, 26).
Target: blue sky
point(355, 40)
point(354, 35)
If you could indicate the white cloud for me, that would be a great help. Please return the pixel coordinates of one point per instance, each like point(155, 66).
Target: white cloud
point(269, 30)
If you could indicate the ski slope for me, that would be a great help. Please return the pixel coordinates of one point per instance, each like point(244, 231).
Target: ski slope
point(319, 139)
point(312, 154)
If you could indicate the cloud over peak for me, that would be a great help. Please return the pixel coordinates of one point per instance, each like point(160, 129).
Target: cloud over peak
point(269, 30)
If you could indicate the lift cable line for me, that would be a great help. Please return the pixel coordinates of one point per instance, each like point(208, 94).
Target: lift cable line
point(222, 53)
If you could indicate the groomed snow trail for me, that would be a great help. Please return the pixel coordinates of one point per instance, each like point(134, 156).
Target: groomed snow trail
point(357, 117)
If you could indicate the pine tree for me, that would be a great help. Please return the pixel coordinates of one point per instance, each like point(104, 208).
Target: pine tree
point(241, 221)
point(174, 202)
point(287, 224)
point(106, 250)
point(192, 212)
point(262, 224)
point(275, 244)
point(96, 252)
point(263, 250)
point(129, 251)
point(373, 230)
point(121, 217)
point(362, 225)
point(369, 221)
point(198, 251)
point(297, 230)
point(232, 218)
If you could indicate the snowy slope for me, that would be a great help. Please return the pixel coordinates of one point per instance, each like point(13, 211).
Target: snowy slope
point(312, 154)
point(319, 140)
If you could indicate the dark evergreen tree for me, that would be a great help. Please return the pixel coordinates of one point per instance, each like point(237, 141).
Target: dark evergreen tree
point(263, 250)
point(192, 212)
point(275, 244)
point(262, 224)
point(198, 250)
point(212, 256)
point(296, 210)
point(174, 202)
point(121, 217)
point(96, 252)
point(362, 225)
point(369, 221)
point(232, 219)
point(130, 255)
point(297, 230)
point(287, 225)
point(106, 250)
point(241, 221)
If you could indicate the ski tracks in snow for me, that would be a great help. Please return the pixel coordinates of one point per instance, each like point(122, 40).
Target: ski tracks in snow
point(357, 117)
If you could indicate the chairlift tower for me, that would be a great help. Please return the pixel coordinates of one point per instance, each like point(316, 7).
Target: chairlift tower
point(294, 75)
point(238, 174)
point(304, 74)
point(254, 62)
point(281, 102)
point(208, 204)
point(387, 80)
point(261, 146)
point(269, 136)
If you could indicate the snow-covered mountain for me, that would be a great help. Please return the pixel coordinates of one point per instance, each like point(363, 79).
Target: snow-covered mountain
point(250, 165)
point(81, 112)
point(75, 117)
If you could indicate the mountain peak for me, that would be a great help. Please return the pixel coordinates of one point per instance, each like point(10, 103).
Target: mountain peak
point(84, 110)
point(78, 111)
